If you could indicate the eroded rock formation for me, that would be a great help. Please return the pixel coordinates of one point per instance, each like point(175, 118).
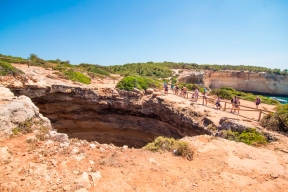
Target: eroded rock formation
point(244, 81)
point(111, 116)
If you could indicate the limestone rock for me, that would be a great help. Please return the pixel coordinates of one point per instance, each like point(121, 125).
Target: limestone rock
point(31, 139)
point(155, 94)
point(241, 80)
point(149, 91)
point(83, 181)
point(96, 176)
point(61, 137)
point(5, 93)
point(15, 111)
point(5, 156)
point(226, 124)
point(92, 146)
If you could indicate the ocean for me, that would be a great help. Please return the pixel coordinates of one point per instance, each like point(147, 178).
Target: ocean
point(283, 100)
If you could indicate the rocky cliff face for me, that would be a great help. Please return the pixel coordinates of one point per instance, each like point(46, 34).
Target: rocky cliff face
point(243, 81)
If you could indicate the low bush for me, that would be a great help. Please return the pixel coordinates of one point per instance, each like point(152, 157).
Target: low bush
point(174, 80)
point(97, 70)
point(23, 128)
point(179, 148)
point(191, 87)
point(228, 93)
point(250, 137)
point(43, 130)
point(130, 82)
point(77, 76)
point(8, 69)
point(277, 121)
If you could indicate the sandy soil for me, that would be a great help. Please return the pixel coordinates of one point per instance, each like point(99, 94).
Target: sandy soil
point(218, 165)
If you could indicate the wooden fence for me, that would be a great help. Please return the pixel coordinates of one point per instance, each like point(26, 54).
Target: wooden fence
point(227, 103)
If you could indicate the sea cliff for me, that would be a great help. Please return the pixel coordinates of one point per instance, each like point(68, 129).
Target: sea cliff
point(264, 83)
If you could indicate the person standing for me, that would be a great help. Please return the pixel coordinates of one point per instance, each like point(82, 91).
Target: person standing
point(205, 96)
point(257, 101)
point(165, 88)
point(237, 105)
point(196, 93)
point(184, 91)
point(172, 87)
point(176, 90)
point(233, 102)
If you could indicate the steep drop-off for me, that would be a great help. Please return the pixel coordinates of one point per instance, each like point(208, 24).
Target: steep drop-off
point(108, 116)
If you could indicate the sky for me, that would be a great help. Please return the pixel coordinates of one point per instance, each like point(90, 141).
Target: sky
point(110, 32)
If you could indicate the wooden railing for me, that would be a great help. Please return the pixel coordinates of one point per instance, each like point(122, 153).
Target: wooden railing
point(261, 111)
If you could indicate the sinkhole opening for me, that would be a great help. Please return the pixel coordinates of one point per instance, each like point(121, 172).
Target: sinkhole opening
point(117, 130)
point(97, 121)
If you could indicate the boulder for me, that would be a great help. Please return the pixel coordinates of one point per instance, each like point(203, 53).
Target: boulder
point(16, 110)
point(232, 124)
point(83, 181)
point(149, 91)
point(95, 176)
point(155, 94)
point(60, 137)
point(5, 93)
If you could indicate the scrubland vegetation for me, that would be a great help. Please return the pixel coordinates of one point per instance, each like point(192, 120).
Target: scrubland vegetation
point(131, 82)
point(8, 69)
point(159, 69)
point(228, 93)
point(250, 137)
point(179, 148)
point(191, 87)
point(277, 121)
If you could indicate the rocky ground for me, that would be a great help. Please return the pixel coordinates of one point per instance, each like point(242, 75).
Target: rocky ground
point(56, 163)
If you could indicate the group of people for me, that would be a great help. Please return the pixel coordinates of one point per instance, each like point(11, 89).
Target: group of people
point(235, 101)
point(177, 91)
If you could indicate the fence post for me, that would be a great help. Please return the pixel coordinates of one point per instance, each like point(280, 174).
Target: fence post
point(202, 100)
point(259, 115)
point(225, 106)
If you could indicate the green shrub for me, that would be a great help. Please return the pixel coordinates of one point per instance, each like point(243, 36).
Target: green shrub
point(228, 93)
point(8, 69)
point(277, 121)
point(77, 76)
point(191, 87)
point(130, 82)
point(43, 130)
point(23, 128)
point(179, 148)
point(250, 137)
point(222, 93)
point(97, 70)
point(174, 80)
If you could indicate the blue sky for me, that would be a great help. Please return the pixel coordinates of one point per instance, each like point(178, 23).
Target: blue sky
point(108, 32)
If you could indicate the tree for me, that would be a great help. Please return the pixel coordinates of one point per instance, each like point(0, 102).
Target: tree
point(33, 56)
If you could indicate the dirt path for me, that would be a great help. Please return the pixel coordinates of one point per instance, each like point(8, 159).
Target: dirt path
point(216, 114)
